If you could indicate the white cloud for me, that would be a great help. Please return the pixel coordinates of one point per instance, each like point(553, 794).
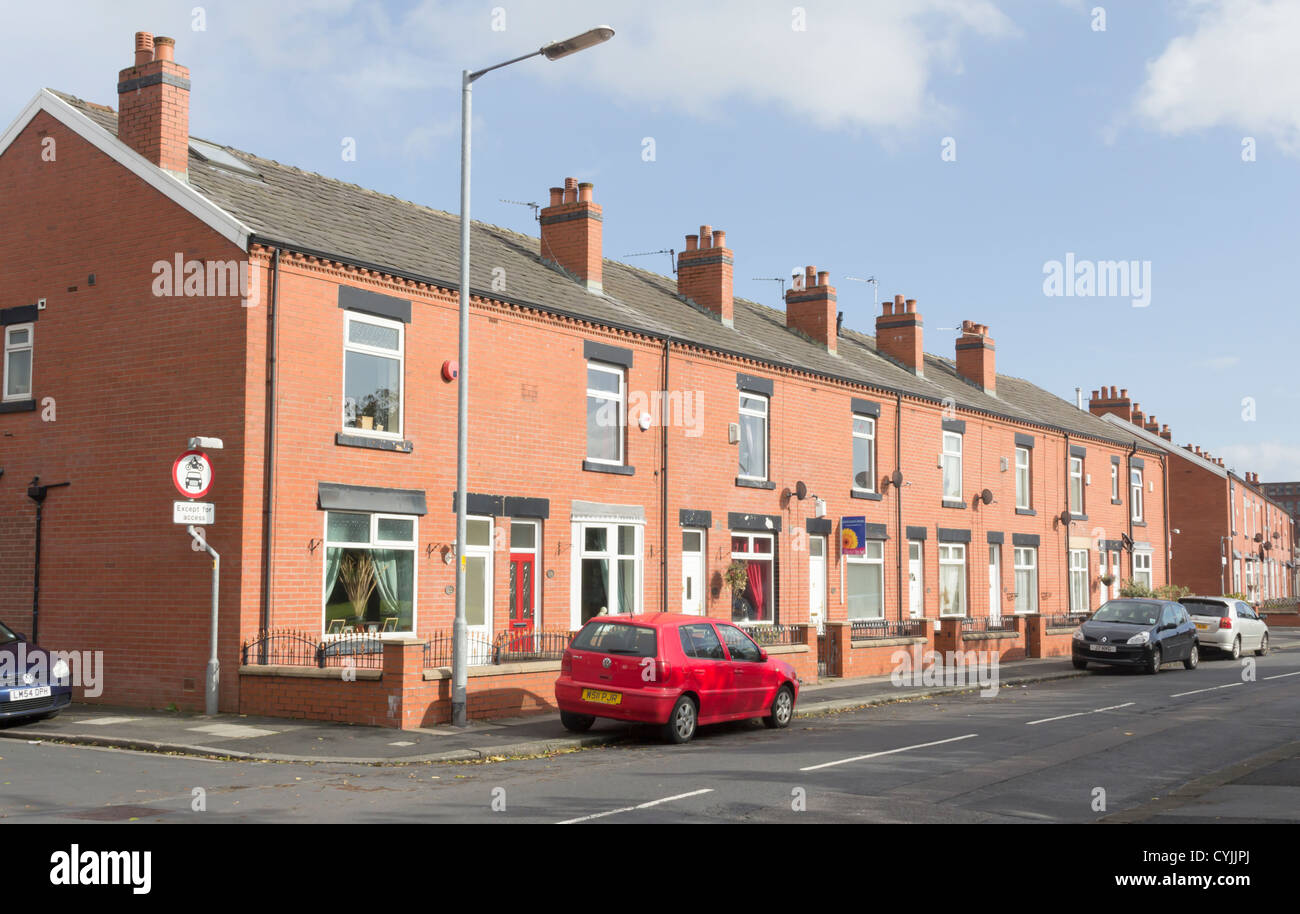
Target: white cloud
point(1236, 67)
point(1274, 461)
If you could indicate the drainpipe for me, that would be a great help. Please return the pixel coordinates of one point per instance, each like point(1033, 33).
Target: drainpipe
point(1169, 537)
point(36, 492)
point(1129, 464)
point(268, 481)
point(1066, 525)
point(898, 493)
point(663, 491)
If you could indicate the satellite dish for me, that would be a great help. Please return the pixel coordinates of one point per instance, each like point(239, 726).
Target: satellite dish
point(897, 478)
point(800, 491)
point(1127, 541)
point(1065, 516)
point(862, 480)
point(987, 496)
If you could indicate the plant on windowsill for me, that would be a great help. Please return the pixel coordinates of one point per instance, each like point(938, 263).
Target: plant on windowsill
point(358, 576)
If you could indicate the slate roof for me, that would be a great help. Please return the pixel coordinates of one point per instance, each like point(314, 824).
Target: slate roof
point(314, 214)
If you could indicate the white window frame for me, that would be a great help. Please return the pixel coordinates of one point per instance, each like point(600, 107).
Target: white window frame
point(1135, 493)
point(870, 437)
point(873, 555)
point(948, 553)
point(375, 542)
point(9, 349)
point(1142, 568)
point(949, 455)
point(349, 318)
point(1025, 473)
point(621, 398)
point(1114, 482)
point(612, 555)
point(763, 414)
point(1025, 602)
point(752, 555)
point(1078, 580)
point(1076, 483)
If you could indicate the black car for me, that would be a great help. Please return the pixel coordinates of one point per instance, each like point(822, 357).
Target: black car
point(1139, 633)
point(33, 682)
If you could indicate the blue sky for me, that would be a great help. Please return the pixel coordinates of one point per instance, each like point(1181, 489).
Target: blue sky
point(822, 145)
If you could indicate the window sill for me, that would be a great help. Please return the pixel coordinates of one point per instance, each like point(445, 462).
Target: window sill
point(18, 406)
point(755, 483)
point(1139, 523)
point(960, 505)
point(869, 496)
point(1074, 517)
point(344, 439)
point(1028, 512)
point(617, 469)
point(1116, 501)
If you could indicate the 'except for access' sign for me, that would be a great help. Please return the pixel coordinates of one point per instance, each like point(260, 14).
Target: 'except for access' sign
point(202, 513)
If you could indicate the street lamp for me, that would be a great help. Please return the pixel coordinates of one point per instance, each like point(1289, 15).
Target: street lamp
point(553, 51)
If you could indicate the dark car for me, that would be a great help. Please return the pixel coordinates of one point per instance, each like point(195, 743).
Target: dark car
point(676, 671)
point(1139, 633)
point(32, 682)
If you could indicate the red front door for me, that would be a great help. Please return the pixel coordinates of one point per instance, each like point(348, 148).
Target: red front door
point(521, 593)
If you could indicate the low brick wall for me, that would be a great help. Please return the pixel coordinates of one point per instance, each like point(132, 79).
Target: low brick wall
point(1008, 645)
point(803, 657)
point(848, 658)
point(312, 694)
point(1283, 619)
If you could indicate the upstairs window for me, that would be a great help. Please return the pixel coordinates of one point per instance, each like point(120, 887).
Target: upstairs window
point(606, 410)
point(952, 466)
point(372, 375)
point(1135, 493)
point(1076, 485)
point(1024, 493)
point(753, 436)
point(1114, 483)
point(864, 454)
point(18, 362)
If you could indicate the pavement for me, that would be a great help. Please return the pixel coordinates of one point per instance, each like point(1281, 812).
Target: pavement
point(276, 739)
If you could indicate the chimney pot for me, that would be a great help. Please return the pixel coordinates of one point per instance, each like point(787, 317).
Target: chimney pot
point(898, 301)
point(557, 196)
point(814, 313)
point(706, 279)
point(706, 236)
point(1123, 392)
point(143, 48)
point(975, 356)
point(809, 277)
point(572, 238)
point(584, 192)
point(164, 48)
point(911, 306)
point(719, 238)
point(823, 278)
point(692, 242)
point(889, 308)
point(899, 334)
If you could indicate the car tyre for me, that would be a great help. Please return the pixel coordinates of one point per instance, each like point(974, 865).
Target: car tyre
point(782, 709)
point(1193, 658)
point(1153, 665)
point(1235, 653)
point(1263, 646)
point(576, 723)
point(682, 722)
point(1079, 664)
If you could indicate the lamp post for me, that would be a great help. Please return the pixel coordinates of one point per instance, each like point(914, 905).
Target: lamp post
point(553, 51)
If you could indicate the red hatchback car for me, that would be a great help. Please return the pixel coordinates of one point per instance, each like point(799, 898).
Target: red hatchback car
point(674, 670)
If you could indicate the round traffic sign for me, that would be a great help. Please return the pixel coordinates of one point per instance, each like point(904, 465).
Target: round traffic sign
point(192, 474)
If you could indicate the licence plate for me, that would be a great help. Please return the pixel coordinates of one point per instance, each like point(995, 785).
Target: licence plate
point(24, 694)
point(1202, 626)
point(1103, 648)
point(604, 698)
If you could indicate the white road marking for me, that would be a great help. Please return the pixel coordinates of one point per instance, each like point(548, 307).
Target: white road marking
point(614, 812)
point(108, 721)
point(1048, 720)
point(859, 758)
point(1283, 675)
point(232, 731)
point(402, 742)
point(1198, 691)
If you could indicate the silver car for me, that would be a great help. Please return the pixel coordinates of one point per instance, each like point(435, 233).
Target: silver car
point(1228, 625)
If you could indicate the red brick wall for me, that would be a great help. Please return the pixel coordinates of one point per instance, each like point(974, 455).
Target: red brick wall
point(1199, 509)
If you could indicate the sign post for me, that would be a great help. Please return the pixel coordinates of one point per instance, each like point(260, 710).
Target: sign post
point(192, 477)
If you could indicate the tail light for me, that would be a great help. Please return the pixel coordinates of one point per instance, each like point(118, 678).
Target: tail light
point(1225, 622)
point(566, 664)
point(663, 669)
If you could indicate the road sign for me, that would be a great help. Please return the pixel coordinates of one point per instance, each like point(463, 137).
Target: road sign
point(192, 474)
point(194, 512)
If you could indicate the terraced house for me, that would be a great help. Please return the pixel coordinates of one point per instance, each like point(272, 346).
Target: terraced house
point(638, 442)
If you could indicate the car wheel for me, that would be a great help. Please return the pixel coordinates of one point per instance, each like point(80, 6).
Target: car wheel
point(682, 721)
point(1079, 664)
point(576, 723)
point(1193, 658)
point(1153, 665)
point(1263, 645)
point(782, 709)
point(1236, 648)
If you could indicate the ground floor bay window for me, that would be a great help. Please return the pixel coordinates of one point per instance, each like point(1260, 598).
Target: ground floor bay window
point(756, 601)
point(952, 579)
point(369, 573)
point(864, 587)
point(1026, 567)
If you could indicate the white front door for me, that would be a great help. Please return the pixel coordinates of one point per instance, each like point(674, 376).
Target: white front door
point(693, 571)
point(915, 580)
point(478, 588)
point(995, 581)
point(817, 581)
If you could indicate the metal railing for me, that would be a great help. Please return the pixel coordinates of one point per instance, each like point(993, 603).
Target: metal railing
point(985, 624)
point(1062, 620)
point(879, 629)
point(504, 647)
point(290, 648)
point(775, 635)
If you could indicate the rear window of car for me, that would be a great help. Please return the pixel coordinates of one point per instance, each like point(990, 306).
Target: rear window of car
point(617, 638)
point(1206, 607)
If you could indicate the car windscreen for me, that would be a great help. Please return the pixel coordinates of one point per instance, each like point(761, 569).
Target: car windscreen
point(617, 638)
point(6, 634)
point(1206, 607)
point(1137, 612)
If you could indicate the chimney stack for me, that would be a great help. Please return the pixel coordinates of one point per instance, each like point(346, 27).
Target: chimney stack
point(975, 356)
point(153, 101)
point(1113, 402)
point(571, 232)
point(811, 310)
point(704, 273)
point(898, 334)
